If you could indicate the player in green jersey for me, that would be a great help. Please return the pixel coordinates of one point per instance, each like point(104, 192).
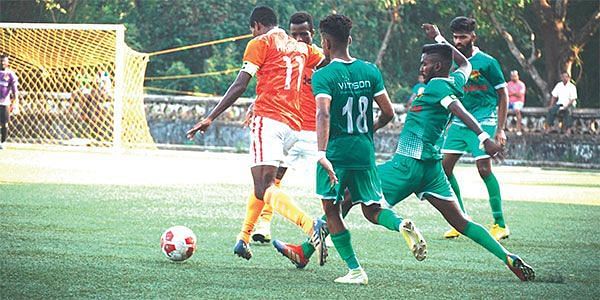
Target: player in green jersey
point(485, 89)
point(416, 166)
point(345, 91)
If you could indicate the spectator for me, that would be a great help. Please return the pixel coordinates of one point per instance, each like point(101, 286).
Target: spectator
point(8, 87)
point(417, 90)
point(564, 97)
point(516, 98)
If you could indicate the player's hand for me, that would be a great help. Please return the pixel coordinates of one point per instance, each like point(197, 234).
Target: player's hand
point(500, 137)
point(200, 126)
point(431, 30)
point(249, 115)
point(326, 164)
point(494, 150)
point(14, 108)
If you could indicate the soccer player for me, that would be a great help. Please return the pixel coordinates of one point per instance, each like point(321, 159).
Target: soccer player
point(417, 90)
point(305, 146)
point(484, 90)
point(345, 91)
point(416, 167)
point(8, 89)
point(277, 60)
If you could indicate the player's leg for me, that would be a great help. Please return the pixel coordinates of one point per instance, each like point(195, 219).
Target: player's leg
point(341, 237)
point(453, 148)
point(484, 166)
point(451, 212)
point(262, 231)
point(4, 118)
point(518, 108)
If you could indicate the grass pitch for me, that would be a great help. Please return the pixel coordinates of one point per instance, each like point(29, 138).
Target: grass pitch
point(100, 239)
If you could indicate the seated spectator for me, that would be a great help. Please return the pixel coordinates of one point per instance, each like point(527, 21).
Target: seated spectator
point(564, 97)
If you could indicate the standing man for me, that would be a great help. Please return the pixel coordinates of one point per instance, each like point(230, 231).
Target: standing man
point(417, 90)
point(8, 90)
point(516, 97)
point(278, 61)
point(305, 146)
point(486, 99)
point(564, 97)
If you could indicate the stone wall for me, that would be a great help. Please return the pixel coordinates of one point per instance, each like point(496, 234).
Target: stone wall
point(169, 117)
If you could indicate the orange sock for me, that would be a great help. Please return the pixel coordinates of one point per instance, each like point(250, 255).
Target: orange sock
point(284, 206)
point(267, 214)
point(253, 209)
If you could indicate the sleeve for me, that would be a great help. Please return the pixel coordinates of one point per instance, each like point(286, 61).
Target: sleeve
point(460, 79)
point(14, 84)
point(573, 92)
point(555, 91)
point(523, 88)
point(315, 57)
point(319, 86)
point(254, 56)
point(415, 89)
point(494, 75)
point(379, 86)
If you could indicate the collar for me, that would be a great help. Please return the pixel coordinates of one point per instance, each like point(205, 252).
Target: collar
point(352, 59)
point(475, 51)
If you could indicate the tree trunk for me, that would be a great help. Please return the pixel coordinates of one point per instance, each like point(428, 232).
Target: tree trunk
point(388, 34)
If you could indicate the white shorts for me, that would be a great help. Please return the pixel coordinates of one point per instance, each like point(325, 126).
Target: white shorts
point(516, 105)
point(268, 139)
point(303, 150)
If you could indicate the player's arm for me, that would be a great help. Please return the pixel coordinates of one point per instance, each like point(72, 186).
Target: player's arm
point(463, 63)
point(457, 109)
point(502, 93)
point(235, 90)
point(323, 117)
point(387, 110)
point(15, 93)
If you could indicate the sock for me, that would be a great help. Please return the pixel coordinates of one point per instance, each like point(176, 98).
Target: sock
point(343, 244)
point(495, 200)
point(253, 209)
point(284, 206)
point(456, 189)
point(4, 132)
point(267, 214)
point(482, 237)
point(388, 219)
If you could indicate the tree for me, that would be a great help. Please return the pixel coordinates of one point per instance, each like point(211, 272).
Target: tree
point(562, 41)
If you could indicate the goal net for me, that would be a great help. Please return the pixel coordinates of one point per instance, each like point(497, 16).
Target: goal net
point(78, 84)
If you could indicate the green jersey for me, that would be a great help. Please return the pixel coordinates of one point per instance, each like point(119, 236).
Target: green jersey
point(351, 86)
point(480, 97)
point(428, 117)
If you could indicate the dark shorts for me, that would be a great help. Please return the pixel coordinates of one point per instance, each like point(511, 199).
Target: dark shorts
point(4, 115)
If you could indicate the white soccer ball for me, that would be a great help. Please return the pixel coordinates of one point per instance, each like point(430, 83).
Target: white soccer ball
point(178, 243)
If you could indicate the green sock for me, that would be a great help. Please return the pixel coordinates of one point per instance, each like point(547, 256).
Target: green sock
point(343, 244)
point(388, 219)
point(456, 189)
point(308, 248)
point(482, 237)
point(495, 200)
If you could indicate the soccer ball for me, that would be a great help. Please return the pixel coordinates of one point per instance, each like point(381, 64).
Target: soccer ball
point(178, 243)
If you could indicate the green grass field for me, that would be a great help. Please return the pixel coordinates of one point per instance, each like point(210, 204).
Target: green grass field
point(64, 240)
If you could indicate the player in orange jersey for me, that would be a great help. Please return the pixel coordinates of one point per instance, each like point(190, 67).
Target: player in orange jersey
point(305, 146)
point(278, 62)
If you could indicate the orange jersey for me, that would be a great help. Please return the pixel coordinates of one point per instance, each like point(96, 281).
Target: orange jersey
point(308, 106)
point(280, 61)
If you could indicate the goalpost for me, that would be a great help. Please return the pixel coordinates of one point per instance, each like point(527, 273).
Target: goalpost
point(78, 84)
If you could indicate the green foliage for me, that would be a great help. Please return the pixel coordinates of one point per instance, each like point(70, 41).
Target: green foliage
point(155, 25)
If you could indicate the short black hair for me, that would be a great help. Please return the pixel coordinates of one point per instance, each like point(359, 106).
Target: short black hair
point(263, 15)
point(302, 17)
point(463, 25)
point(3, 55)
point(441, 52)
point(337, 27)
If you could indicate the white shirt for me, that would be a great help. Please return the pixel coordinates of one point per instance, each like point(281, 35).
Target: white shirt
point(564, 93)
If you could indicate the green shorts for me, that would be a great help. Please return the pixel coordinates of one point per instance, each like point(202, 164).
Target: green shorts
point(462, 140)
point(403, 175)
point(364, 185)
